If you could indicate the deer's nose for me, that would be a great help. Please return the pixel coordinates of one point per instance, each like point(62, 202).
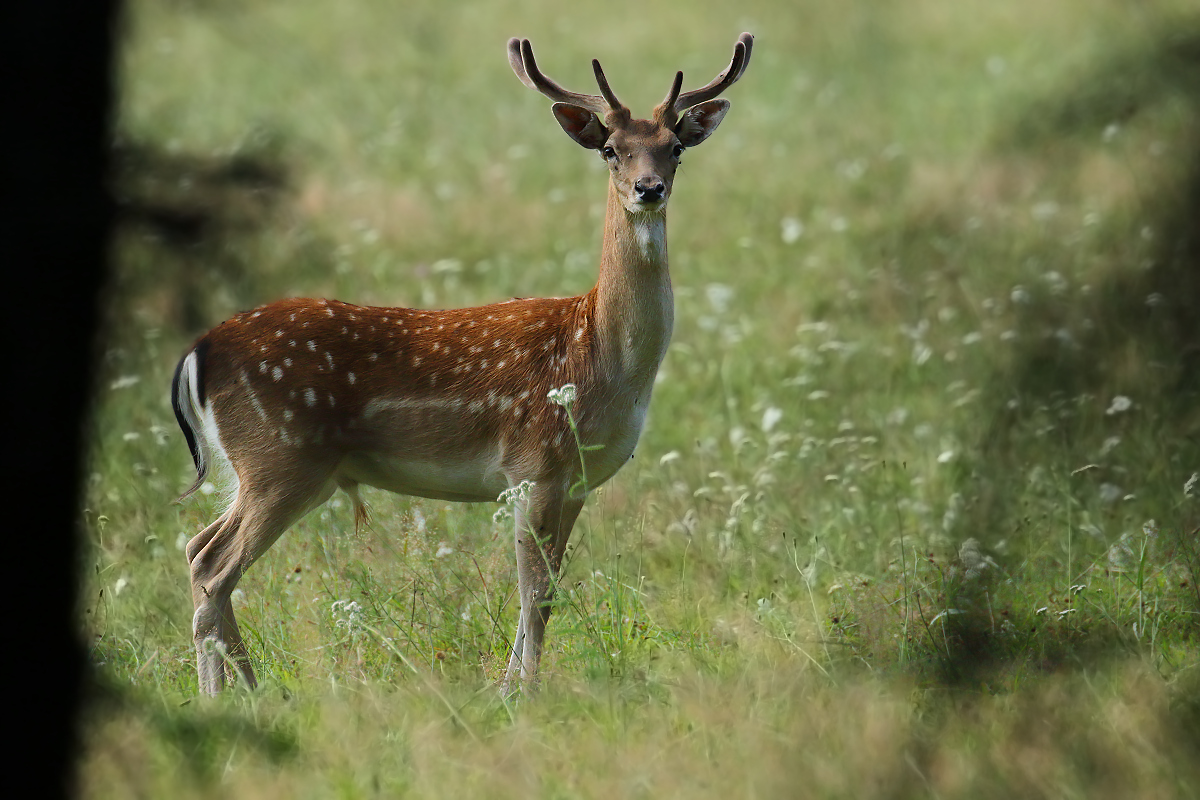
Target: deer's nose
point(649, 188)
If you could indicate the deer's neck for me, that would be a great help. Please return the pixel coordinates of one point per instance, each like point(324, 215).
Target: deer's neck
point(634, 306)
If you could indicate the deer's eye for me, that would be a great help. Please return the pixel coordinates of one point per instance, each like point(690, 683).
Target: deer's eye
point(677, 151)
point(609, 152)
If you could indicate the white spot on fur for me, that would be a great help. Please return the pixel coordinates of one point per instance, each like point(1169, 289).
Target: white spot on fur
point(310, 398)
point(277, 374)
point(350, 377)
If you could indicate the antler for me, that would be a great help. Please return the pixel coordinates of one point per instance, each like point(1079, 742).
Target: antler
point(668, 111)
point(520, 56)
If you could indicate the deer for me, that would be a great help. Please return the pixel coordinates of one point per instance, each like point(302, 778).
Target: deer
point(301, 397)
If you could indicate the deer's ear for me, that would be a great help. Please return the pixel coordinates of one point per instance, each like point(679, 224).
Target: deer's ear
point(581, 125)
point(699, 122)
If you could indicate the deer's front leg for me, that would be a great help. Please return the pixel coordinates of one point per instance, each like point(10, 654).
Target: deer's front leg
point(543, 526)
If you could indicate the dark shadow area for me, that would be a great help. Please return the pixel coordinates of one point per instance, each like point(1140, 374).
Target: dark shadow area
point(57, 217)
point(1149, 305)
point(1136, 331)
point(186, 226)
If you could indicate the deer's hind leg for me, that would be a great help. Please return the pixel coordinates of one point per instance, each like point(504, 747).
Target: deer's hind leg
point(221, 554)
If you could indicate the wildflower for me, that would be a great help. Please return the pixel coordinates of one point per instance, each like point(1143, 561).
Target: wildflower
point(347, 614)
point(1120, 404)
point(719, 296)
point(791, 229)
point(563, 396)
point(1121, 557)
point(770, 418)
point(443, 550)
point(516, 493)
point(1189, 488)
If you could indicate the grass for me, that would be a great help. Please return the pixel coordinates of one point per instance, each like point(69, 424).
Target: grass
point(909, 515)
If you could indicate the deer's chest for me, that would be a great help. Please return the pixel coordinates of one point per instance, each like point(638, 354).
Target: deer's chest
point(615, 436)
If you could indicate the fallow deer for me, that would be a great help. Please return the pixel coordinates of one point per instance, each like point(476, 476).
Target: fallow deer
point(302, 397)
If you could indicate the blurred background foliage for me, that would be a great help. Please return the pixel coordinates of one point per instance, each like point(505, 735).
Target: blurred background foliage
point(919, 476)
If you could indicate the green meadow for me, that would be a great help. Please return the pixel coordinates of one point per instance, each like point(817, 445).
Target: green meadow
point(916, 509)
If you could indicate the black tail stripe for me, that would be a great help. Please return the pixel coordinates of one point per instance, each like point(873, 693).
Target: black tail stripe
point(188, 433)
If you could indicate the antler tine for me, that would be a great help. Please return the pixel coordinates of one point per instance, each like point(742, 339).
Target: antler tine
point(520, 57)
point(517, 63)
point(668, 103)
point(613, 103)
point(728, 77)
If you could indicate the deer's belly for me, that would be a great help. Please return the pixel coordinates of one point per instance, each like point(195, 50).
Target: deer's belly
point(472, 479)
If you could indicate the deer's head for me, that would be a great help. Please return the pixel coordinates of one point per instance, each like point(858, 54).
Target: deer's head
point(642, 155)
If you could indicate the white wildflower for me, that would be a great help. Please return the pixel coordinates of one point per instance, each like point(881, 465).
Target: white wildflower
point(347, 614)
point(771, 418)
point(719, 296)
point(443, 550)
point(1189, 488)
point(973, 559)
point(791, 229)
point(516, 493)
point(1120, 404)
point(563, 396)
point(1121, 557)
